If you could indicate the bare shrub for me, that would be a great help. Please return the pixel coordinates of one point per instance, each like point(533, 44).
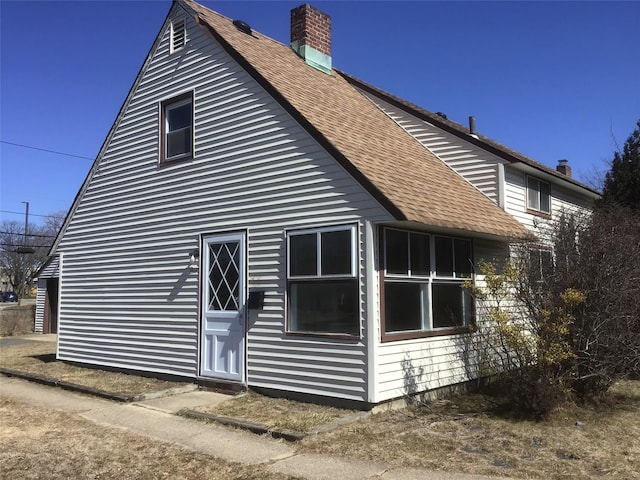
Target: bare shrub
point(563, 319)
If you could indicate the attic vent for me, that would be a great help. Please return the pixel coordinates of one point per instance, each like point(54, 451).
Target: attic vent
point(178, 35)
point(242, 26)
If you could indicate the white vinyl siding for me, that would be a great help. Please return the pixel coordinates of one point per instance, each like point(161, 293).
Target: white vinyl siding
point(411, 366)
point(561, 200)
point(477, 166)
point(129, 298)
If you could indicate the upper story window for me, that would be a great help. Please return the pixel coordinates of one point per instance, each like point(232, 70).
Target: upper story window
point(177, 128)
point(178, 35)
point(322, 281)
point(423, 276)
point(538, 195)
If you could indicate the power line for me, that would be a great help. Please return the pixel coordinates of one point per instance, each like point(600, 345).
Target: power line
point(20, 246)
point(33, 214)
point(46, 150)
point(29, 235)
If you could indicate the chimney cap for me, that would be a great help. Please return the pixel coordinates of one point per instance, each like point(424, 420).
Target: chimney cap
point(563, 162)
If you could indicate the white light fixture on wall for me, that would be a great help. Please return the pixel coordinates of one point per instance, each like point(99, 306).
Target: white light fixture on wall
point(194, 259)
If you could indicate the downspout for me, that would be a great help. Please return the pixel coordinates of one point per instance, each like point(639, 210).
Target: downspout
point(372, 317)
point(501, 186)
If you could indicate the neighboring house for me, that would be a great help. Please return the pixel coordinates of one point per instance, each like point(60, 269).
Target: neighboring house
point(528, 190)
point(257, 217)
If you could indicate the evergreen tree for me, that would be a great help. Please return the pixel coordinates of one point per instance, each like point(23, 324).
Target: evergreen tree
point(622, 182)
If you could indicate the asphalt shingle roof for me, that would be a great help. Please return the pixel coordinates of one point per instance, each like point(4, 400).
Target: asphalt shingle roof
point(463, 132)
point(406, 178)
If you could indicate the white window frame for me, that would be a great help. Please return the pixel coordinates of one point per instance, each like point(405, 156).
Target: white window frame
point(538, 192)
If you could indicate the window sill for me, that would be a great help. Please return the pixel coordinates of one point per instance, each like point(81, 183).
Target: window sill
point(394, 337)
point(332, 336)
point(538, 213)
point(175, 160)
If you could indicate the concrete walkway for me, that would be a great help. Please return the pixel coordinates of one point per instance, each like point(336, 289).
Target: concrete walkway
point(156, 419)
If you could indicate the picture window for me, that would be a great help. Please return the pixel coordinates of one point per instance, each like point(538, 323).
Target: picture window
point(423, 277)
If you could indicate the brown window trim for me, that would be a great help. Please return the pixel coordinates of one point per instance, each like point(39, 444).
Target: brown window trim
point(163, 133)
point(328, 336)
point(324, 335)
point(440, 332)
point(538, 213)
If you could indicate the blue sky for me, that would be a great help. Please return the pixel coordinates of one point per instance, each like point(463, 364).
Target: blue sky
point(549, 79)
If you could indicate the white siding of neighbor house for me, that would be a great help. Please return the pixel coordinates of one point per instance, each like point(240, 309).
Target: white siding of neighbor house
point(52, 270)
point(128, 296)
point(409, 366)
point(477, 166)
point(562, 199)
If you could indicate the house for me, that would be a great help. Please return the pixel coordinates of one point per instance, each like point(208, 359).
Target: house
point(258, 218)
point(530, 191)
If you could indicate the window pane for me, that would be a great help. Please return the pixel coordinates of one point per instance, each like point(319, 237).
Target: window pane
point(546, 260)
point(324, 306)
point(420, 254)
point(397, 252)
point(179, 117)
point(178, 142)
point(462, 258)
point(404, 306)
point(532, 193)
point(444, 256)
point(545, 205)
point(335, 256)
point(451, 305)
point(303, 253)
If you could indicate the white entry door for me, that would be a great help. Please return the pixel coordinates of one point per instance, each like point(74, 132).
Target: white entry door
point(223, 307)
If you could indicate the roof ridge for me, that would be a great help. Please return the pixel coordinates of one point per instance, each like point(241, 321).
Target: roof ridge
point(458, 128)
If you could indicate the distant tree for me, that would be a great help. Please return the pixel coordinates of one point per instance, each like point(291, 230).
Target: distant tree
point(622, 181)
point(22, 256)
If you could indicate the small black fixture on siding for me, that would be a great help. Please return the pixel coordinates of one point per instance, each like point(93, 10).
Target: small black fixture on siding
point(242, 26)
point(255, 300)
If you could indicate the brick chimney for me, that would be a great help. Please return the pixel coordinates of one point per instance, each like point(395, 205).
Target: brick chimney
point(311, 36)
point(564, 168)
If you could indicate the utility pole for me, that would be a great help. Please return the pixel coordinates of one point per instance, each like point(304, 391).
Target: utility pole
point(25, 248)
point(26, 223)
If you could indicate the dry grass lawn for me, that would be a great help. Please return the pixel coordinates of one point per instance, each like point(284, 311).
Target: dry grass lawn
point(37, 443)
point(277, 413)
point(463, 435)
point(39, 358)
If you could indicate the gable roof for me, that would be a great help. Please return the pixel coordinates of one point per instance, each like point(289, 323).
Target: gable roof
point(407, 179)
point(461, 131)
